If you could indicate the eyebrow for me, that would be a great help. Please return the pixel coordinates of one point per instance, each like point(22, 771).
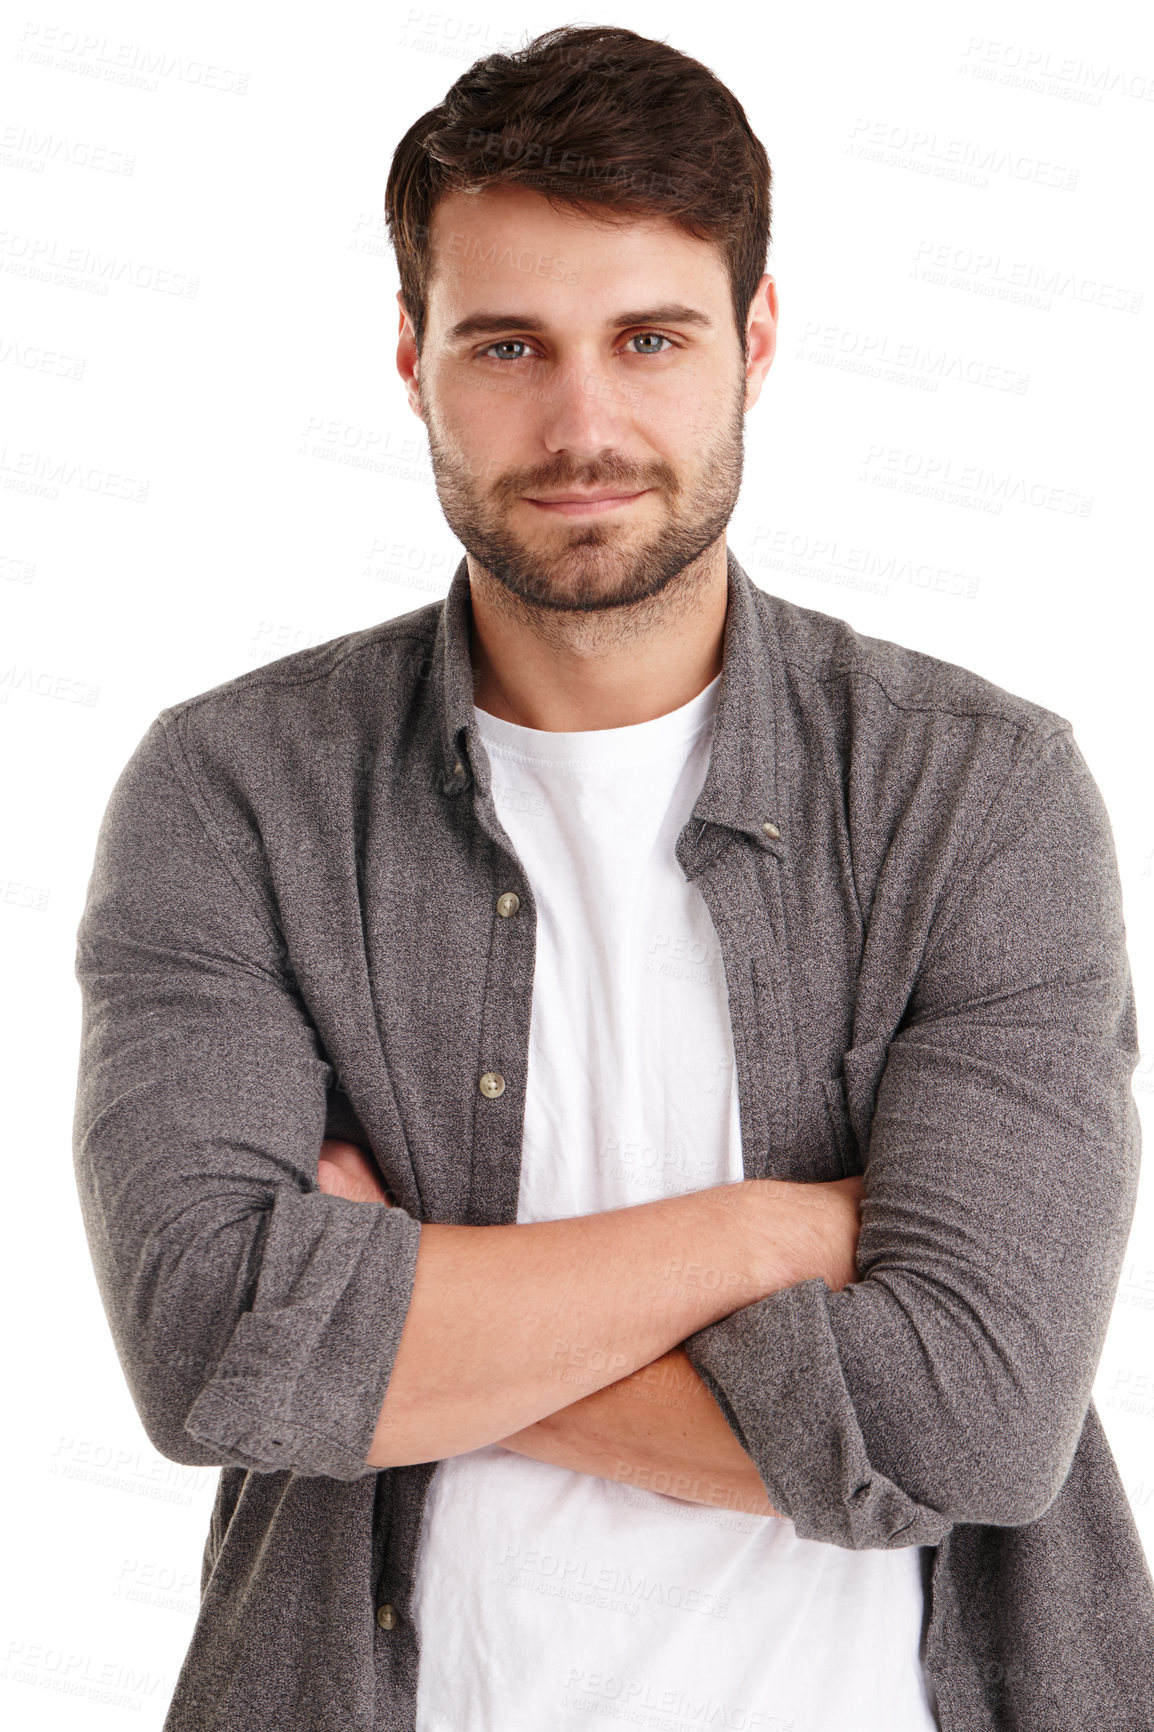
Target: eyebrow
point(488, 324)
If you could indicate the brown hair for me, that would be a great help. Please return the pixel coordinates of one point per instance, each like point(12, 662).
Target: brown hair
point(590, 116)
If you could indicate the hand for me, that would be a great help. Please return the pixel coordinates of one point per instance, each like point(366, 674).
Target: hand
point(347, 1170)
point(841, 1225)
point(659, 1429)
point(804, 1229)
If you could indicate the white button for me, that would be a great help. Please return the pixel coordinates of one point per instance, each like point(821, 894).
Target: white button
point(492, 1084)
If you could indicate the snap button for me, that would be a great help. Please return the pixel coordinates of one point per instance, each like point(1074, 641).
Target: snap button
point(508, 904)
point(492, 1084)
point(386, 1616)
point(455, 778)
point(772, 830)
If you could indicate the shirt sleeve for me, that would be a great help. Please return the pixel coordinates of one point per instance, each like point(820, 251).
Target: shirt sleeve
point(256, 1318)
point(950, 1381)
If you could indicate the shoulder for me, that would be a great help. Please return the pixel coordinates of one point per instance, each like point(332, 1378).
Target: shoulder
point(315, 714)
point(296, 744)
point(930, 763)
point(829, 662)
point(375, 659)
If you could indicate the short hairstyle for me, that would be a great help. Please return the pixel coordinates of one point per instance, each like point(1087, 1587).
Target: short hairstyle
point(599, 118)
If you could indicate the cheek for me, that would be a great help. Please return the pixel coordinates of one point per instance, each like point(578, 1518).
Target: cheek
point(699, 419)
point(483, 430)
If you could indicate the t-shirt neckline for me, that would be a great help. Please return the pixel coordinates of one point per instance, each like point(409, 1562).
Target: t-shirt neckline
point(656, 737)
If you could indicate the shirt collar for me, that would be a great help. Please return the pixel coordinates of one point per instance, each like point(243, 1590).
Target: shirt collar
point(741, 788)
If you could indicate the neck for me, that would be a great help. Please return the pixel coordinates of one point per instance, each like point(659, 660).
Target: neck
point(569, 671)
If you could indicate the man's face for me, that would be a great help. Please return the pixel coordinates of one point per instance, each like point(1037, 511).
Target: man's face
point(608, 363)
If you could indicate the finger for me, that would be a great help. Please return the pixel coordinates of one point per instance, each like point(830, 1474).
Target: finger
point(334, 1182)
point(339, 1183)
point(345, 1170)
point(351, 1159)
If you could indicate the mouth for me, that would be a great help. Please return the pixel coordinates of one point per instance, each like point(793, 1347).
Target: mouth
point(574, 504)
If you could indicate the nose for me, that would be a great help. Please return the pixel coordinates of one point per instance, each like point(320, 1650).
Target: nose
point(586, 410)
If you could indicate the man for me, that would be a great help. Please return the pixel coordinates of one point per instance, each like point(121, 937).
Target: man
point(604, 1103)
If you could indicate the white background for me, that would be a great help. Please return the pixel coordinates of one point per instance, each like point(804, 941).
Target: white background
point(207, 461)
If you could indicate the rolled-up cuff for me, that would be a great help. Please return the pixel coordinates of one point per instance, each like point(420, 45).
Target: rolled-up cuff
point(774, 1370)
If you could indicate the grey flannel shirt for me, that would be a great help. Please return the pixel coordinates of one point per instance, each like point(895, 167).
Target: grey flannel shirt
point(291, 931)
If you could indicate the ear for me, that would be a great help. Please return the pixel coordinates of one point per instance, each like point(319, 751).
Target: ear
point(408, 361)
point(761, 336)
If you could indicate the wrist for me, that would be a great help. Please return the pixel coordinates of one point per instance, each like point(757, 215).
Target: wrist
point(795, 1231)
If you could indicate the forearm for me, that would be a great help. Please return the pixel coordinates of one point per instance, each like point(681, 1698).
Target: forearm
point(659, 1429)
point(481, 1339)
point(507, 1324)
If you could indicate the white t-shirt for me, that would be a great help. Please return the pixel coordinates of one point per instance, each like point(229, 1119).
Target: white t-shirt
point(548, 1600)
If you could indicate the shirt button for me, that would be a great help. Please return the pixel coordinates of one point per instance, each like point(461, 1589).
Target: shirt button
point(508, 904)
point(492, 1084)
point(386, 1616)
point(772, 830)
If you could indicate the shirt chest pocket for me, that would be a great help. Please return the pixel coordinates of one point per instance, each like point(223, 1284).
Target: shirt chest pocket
point(841, 1131)
point(800, 1122)
point(823, 1146)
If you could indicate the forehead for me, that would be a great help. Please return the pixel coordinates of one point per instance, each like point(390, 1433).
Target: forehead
point(511, 238)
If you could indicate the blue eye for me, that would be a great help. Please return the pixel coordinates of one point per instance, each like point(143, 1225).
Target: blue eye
point(507, 343)
point(520, 343)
